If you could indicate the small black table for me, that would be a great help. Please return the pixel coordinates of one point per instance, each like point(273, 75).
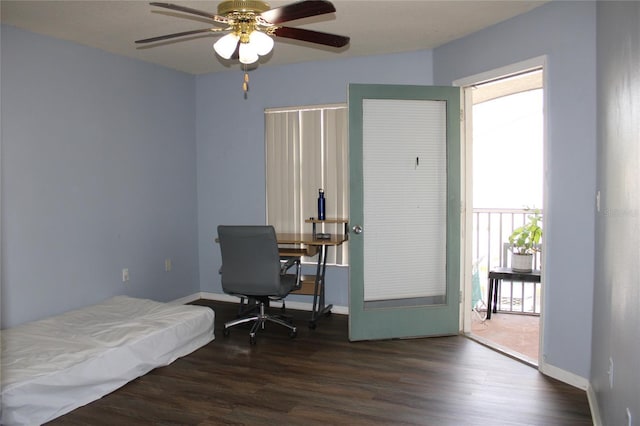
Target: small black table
point(509, 274)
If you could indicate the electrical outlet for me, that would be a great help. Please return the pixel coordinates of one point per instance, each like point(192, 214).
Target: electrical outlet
point(125, 275)
point(167, 265)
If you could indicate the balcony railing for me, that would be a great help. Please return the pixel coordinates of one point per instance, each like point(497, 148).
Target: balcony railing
point(491, 230)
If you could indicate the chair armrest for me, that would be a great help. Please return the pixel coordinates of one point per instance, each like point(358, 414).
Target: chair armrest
point(289, 262)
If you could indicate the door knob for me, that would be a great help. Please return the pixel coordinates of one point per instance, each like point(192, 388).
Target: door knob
point(357, 229)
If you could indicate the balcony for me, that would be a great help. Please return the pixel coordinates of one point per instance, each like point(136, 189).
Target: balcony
point(516, 333)
point(491, 230)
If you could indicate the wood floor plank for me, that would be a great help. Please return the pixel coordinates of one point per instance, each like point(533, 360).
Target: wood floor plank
point(320, 378)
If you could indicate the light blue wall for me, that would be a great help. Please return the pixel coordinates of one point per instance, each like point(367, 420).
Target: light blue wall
point(616, 322)
point(566, 33)
point(98, 174)
point(100, 156)
point(230, 135)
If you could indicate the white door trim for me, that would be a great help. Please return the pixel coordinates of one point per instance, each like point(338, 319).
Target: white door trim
point(466, 147)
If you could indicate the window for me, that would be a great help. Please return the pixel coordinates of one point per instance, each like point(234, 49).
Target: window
point(307, 149)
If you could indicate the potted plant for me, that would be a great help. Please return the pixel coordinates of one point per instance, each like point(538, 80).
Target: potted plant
point(525, 242)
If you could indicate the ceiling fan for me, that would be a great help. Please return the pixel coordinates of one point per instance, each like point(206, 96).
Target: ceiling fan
point(251, 24)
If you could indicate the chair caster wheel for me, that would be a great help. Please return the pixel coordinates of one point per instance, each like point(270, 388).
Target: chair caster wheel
point(226, 332)
point(312, 325)
point(293, 333)
point(327, 314)
point(252, 340)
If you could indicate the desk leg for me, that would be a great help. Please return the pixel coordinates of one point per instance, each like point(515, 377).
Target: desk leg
point(319, 307)
point(490, 301)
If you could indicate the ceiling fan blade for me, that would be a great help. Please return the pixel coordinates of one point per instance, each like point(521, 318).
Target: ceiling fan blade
point(182, 34)
point(311, 36)
point(299, 10)
point(190, 10)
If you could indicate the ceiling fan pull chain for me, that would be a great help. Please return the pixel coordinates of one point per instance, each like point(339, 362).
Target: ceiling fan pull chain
point(245, 83)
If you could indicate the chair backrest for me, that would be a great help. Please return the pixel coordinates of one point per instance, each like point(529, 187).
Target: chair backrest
point(250, 260)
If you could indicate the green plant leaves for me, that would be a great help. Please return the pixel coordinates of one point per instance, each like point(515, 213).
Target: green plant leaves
point(525, 239)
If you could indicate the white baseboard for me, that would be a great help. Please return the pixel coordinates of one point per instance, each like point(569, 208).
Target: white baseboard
point(593, 405)
point(186, 299)
point(564, 376)
point(302, 306)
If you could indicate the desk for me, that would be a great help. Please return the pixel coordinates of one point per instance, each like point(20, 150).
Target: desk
point(509, 274)
point(313, 246)
point(313, 221)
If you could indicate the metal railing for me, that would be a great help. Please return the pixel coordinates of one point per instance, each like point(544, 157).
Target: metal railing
point(491, 230)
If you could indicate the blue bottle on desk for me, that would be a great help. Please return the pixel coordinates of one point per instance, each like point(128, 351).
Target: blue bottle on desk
point(321, 205)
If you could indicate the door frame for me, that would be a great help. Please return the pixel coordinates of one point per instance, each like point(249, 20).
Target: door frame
point(466, 146)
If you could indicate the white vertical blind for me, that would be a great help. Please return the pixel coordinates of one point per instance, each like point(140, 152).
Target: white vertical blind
point(336, 179)
point(313, 162)
point(307, 149)
point(283, 147)
point(405, 186)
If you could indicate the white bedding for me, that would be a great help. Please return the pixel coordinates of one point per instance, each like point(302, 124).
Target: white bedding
point(52, 366)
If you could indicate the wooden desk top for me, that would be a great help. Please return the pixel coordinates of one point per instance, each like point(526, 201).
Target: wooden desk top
point(308, 239)
point(329, 220)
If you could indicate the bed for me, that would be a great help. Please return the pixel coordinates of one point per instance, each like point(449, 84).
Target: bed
point(54, 365)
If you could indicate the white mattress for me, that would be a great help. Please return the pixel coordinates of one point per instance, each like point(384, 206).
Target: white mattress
point(52, 366)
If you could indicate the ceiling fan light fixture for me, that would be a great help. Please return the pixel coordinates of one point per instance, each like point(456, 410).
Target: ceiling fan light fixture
point(248, 54)
point(262, 42)
point(226, 45)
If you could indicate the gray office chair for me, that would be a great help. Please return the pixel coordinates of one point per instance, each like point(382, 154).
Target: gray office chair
point(251, 268)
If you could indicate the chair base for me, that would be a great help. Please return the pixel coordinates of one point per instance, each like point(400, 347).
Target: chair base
point(260, 319)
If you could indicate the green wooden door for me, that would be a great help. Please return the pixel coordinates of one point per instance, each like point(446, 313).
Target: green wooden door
point(404, 249)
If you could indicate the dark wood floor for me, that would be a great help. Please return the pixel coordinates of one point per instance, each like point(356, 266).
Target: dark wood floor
point(320, 378)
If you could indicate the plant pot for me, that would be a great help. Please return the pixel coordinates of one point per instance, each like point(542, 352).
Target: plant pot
point(522, 262)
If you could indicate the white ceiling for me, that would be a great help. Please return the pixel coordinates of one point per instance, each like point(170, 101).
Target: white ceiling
point(375, 27)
